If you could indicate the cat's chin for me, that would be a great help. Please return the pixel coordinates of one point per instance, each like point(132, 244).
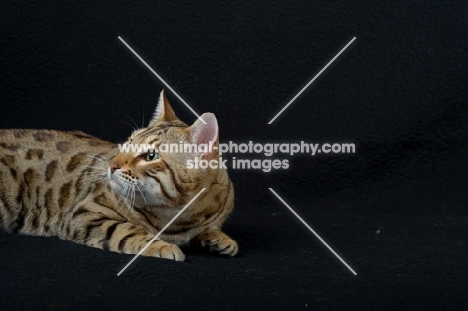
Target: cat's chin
point(116, 187)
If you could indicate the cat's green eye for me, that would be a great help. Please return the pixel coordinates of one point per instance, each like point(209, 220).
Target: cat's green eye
point(152, 155)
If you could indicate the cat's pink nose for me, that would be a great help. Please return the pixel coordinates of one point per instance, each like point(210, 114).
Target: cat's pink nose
point(113, 166)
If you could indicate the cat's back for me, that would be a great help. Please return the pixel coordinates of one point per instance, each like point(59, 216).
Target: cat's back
point(14, 140)
point(41, 144)
point(23, 150)
point(45, 170)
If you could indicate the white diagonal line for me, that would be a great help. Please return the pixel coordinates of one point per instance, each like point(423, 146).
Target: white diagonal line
point(159, 233)
point(312, 230)
point(162, 80)
point(304, 88)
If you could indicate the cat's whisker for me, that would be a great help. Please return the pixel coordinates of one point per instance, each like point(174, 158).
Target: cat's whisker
point(125, 192)
point(100, 166)
point(132, 197)
point(131, 126)
point(144, 185)
point(90, 173)
point(104, 168)
point(100, 158)
point(93, 176)
point(96, 180)
point(141, 193)
point(98, 174)
point(136, 126)
point(124, 197)
point(87, 175)
point(121, 196)
point(129, 196)
point(143, 119)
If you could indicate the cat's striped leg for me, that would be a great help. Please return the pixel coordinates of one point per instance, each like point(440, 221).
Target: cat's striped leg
point(217, 242)
point(107, 230)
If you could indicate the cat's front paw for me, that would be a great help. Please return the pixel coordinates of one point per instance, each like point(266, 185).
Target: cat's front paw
point(218, 242)
point(162, 249)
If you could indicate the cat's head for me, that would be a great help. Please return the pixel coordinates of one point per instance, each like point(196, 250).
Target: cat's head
point(158, 177)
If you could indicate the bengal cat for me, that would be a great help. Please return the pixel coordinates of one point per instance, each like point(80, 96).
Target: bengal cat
point(80, 188)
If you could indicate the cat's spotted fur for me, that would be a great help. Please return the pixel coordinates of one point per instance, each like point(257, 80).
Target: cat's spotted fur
point(80, 188)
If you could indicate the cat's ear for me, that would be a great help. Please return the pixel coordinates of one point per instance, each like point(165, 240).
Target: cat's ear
point(206, 135)
point(163, 112)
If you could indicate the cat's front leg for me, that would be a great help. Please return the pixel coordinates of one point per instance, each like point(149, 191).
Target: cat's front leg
point(217, 242)
point(115, 234)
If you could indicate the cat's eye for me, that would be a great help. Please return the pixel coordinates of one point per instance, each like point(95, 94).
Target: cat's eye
point(152, 155)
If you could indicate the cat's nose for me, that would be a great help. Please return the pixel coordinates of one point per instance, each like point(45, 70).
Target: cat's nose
point(113, 166)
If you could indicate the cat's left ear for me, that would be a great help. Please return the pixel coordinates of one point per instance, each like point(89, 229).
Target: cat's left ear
point(206, 135)
point(163, 112)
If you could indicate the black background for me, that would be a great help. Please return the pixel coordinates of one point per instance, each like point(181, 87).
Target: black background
point(395, 210)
